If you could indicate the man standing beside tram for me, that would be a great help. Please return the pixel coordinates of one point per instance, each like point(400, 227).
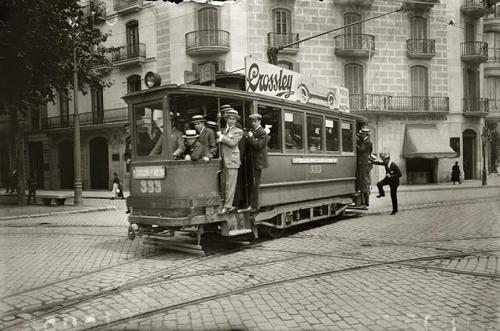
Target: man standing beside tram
point(364, 149)
point(229, 139)
point(257, 140)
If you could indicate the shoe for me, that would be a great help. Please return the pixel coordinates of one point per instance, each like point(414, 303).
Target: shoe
point(393, 212)
point(364, 208)
point(127, 212)
point(233, 210)
point(249, 209)
point(380, 195)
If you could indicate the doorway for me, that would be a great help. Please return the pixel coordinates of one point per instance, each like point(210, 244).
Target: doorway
point(469, 155)
point(99, 163)
point(66, 164)
point(35, 152)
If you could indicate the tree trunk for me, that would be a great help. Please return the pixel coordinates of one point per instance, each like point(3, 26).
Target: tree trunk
point(18, 128)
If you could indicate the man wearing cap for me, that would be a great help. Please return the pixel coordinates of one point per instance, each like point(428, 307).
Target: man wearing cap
point(206, 138)
point(391, 178)
point(364, 148)
point(257, 140)
point(229, 139)
point(193, 150)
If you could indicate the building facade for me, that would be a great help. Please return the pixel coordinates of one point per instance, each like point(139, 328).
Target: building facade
point(427, 78)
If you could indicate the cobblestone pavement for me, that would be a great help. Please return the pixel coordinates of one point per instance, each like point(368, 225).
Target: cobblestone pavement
point(424, 268)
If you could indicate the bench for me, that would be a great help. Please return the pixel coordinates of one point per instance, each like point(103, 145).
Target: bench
point(58, 198)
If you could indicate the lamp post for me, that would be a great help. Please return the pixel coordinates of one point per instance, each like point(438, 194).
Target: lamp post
point(77, 199)
point(484, 137)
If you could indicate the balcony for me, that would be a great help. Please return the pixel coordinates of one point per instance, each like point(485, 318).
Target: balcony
point(394, 104)
point(474, 51)
point(492, 67)
point(491, 23)
point(361, 3)
point(421, 48)
point(420, 5)
point(130, 54)
point(493, 110)
point(96, 11)
point(204, 42)
point(283, 39)
point(474, 8)
point(124, 7)
point(106, 118)
point(475, 106)
point(355, 45)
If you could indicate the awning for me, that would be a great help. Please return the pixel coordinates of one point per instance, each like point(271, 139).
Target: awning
point(424, 141)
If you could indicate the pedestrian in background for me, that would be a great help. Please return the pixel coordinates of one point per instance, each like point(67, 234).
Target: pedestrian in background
point(392, 175)
point(12, 181)
point(455, 173)
point(117, 187)
point(32, 188)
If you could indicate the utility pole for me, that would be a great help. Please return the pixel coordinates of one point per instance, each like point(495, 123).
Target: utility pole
point(77, 199)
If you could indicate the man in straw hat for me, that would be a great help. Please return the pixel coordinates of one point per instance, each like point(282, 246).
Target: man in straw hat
point(391, 178)
point(257, 140)
point(206, 138)
point(229, 139)
point(364, 148)
point(193, 150)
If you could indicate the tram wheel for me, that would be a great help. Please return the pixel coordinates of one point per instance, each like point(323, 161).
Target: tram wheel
point(131, 233)
point(273, 233)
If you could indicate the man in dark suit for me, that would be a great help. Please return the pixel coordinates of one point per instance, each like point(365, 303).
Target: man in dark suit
point(364, 148)
point(391, 178)
point(206, 138)
point(256, 140)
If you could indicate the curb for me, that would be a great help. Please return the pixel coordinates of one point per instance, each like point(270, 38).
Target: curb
point(79, 211)
point(456, 187)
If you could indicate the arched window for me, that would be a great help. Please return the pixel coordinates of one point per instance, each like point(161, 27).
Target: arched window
point(282, 20)
point(285, 64)
point(418, 27)
point(350, 18)
point(353, 76)
point(134, 83)
point(419, 81)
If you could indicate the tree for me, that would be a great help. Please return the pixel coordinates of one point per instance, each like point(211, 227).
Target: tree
point(37, 38)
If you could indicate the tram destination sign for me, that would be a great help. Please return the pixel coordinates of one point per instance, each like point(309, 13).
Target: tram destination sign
point(268, 79)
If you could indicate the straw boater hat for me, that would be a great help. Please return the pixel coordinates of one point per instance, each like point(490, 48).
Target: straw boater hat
point(231, 112)
point(364, 130)
point(372, 157)
point(190, 134)
point(255, 116)
point(198, 118)
point(212, 124)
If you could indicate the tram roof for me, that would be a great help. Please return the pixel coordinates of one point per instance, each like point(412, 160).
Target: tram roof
point(227, 93)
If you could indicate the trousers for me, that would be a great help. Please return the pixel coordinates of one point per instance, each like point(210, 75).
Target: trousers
point(394, 191)
point(230, 180)
point(254, 184)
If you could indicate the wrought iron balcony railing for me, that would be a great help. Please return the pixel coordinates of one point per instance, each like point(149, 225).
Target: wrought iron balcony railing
point(207, 38)
point(380, 102)
point(475, 105)
point(123, 5)
point(130, 51)
point(86, 119)
point(474, 8)
point(281, 39)
point(423, 47)
point(474, 50)
point(352, 44)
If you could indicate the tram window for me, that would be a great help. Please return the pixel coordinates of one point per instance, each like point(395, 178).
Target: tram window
point(332, 135)
point(347, 137)
point(294, 124)
point(314, 133)
point(271, 119)
point(148, 130)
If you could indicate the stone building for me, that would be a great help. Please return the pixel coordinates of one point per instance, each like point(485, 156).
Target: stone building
point(422, 76)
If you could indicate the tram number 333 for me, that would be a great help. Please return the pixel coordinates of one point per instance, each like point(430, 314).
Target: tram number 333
point(315, 169)
point(150, 186)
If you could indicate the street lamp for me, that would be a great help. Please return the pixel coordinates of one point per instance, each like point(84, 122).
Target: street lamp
point(485, 138)
point(77, 199)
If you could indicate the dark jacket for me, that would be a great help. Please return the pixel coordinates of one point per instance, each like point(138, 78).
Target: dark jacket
point(392, 170)
point(195, 151)
point(455, 173)
point(364, 149)
point(257, 148)
point(207, 140)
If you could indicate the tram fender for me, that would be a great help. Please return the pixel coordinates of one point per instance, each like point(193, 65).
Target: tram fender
point(235, 224)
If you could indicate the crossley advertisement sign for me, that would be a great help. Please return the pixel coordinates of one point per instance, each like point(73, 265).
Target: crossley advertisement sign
point(267, 79)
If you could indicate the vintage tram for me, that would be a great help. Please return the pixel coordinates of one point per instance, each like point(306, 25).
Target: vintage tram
point(311, 173)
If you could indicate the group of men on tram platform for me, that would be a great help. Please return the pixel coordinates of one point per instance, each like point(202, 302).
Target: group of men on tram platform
point(201, 144)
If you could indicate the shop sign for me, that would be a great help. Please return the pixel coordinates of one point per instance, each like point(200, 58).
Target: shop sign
point(267, 79)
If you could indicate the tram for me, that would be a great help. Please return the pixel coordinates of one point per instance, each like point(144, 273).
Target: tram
point(311, 173)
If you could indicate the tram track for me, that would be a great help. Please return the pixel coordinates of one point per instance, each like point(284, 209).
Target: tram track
point(159, 277)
